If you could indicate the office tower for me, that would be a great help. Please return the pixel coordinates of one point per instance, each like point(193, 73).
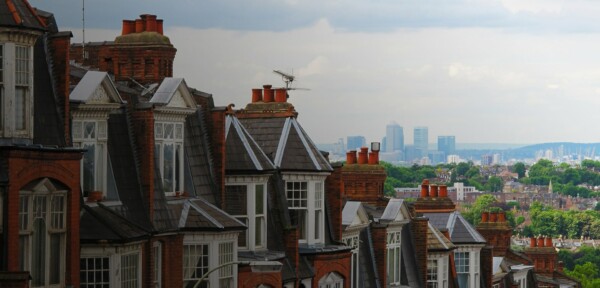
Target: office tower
point(487, 160)
point(355, 142)
point(421, 140)
point(394, 137)
point(446, 144)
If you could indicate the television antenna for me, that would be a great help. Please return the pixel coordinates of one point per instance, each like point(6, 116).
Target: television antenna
point(288, 79)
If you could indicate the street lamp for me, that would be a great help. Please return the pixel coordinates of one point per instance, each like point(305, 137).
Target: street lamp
point(256, 266)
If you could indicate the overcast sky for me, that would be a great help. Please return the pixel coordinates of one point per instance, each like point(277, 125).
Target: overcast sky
point(506, 71)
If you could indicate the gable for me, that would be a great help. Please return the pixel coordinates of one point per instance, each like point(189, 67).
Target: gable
point(95, 88)
point(99, 96)
point(173, 93)
point(177, 100)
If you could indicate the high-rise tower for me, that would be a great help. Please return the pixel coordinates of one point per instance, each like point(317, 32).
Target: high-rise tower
point(394, 135)
point(421, 140)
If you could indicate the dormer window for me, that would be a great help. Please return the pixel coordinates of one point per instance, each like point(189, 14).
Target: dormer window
point(305, 203)
point(22, 83)
point(169, 154)
point(91, 136)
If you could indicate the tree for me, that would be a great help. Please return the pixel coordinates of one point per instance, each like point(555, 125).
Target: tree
point(494, 184)
point(520, 169)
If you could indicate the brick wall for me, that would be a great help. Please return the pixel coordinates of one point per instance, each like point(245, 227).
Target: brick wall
point(364, 183)
point(419, 227)
point(378, 234)
point(486, 259)
point(25, 166)
point(333, 186)
point(143, 123)
point(60, 54)
point(334, 262)
point(172, 260)
point(249, 279)
point(217, 133)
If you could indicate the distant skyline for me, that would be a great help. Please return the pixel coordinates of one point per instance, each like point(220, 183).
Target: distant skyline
point(503, 71)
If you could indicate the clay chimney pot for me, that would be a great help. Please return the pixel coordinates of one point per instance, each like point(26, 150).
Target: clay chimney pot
point(443, 191)
point(493, 217)
point(351, 157)
point(139, 25)
point(540, 241)
point(549, 242)
point(424, 190)
point(256, 95)
point(150, 23)
point(532, 242)
point(128, 27)
point(268, 94)
point(433, 191)
point(484, 217)
point(363, 155)
point(159, 26)
point(281, 95)
point(502, 217)
point(373, 158)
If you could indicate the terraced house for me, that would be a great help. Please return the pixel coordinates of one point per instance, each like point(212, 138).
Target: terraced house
point(117, 174)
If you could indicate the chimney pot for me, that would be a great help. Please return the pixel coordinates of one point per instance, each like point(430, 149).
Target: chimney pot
point(532, 242)
point(540, 241)
point(159, 26)
point(484, 217)
point(256, 95)
point(425, 188)
point(351, 157)
point(139, 25)
point(493, 217)
point(150, 23)
point(363, 155)
point(281, 95)
point(443, 191)
point(128, 27)
point(502, 217)
point(549, 242)
point(433, 191)
point(373, 158)
point(268, 94)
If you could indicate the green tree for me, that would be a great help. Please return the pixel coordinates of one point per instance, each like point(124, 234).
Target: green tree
point(494, 184)
point(520, 169)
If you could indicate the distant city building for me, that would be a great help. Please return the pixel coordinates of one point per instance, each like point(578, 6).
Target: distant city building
point(394, 137)
point(383, 144)
point(487, 160)
point(496, 159)
point(421, 140)
point(355, 142)
point(447, 144)
point(410, 153)
point(437, 157)
point(455, 159)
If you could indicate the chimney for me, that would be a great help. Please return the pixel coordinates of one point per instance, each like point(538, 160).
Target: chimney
point(351, 157)
point(425, 188)
point(268, 94)
point(363, 155)
point(443, 191)
point(532, 242)
point(128, 27)
point(256, 95)
point(281, 95)
point(540, 242)
point(433, 191)
point(373, 157)
point(484, 217)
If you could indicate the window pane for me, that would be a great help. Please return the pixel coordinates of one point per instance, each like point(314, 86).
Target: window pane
point(129, 271)
point(89, 130)
point(260, 199)
point(38, 253)
point(55, 252)
point(89, 170)
point(20, 107)
point(258, 234)
point(94, 272)
point(236, 200)
point(168, 168)
point(178, 157)
point(318, 221)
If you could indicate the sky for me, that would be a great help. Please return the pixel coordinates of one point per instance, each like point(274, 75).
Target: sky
point(485, 71)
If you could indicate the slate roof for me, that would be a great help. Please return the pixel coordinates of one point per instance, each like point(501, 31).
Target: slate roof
point(88, 84)
point(199, 215)
point(18, 13)
point(286, 144)
point(436, 241)
point(460, 230)
point(166, 90)
point(102, 223)
point(199, 158)
point(242, 153)
point(49, 122)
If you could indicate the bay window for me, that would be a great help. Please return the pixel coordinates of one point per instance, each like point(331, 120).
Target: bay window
point(437, 271)
point(130, 270)
point(248, 203)
point(94, 272)
point(157, 253)
point(91, 135)
point(42, 232)
point(169, 155)
point(354, 242)
point(331, 280)
point(201, 253)
point(116, 266)
point(466, 261)
point(305, 199)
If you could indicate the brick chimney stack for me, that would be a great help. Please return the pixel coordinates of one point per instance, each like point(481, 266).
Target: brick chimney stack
point(543, 255)
point(434, 198)
point(496, 231)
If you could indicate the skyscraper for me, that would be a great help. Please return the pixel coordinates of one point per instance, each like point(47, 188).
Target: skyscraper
point(421, 140)
point(394, 137)
point(446, 144)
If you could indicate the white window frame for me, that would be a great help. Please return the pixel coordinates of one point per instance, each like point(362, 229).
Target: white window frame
point(354, 242)
point(252, 218)
point(99, 141)
point(116, 255)
point(213, 242)
point(157, 253)
point(10, 84)
point(394, 256)
point(473, 264)
point(55, 224)
point(176, 139)
point(131, 270)
point(91, 270)
point(314, 219)
point(441, 264)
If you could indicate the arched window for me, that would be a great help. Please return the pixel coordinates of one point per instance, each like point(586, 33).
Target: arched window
point(331, 280)
point(42, 231)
